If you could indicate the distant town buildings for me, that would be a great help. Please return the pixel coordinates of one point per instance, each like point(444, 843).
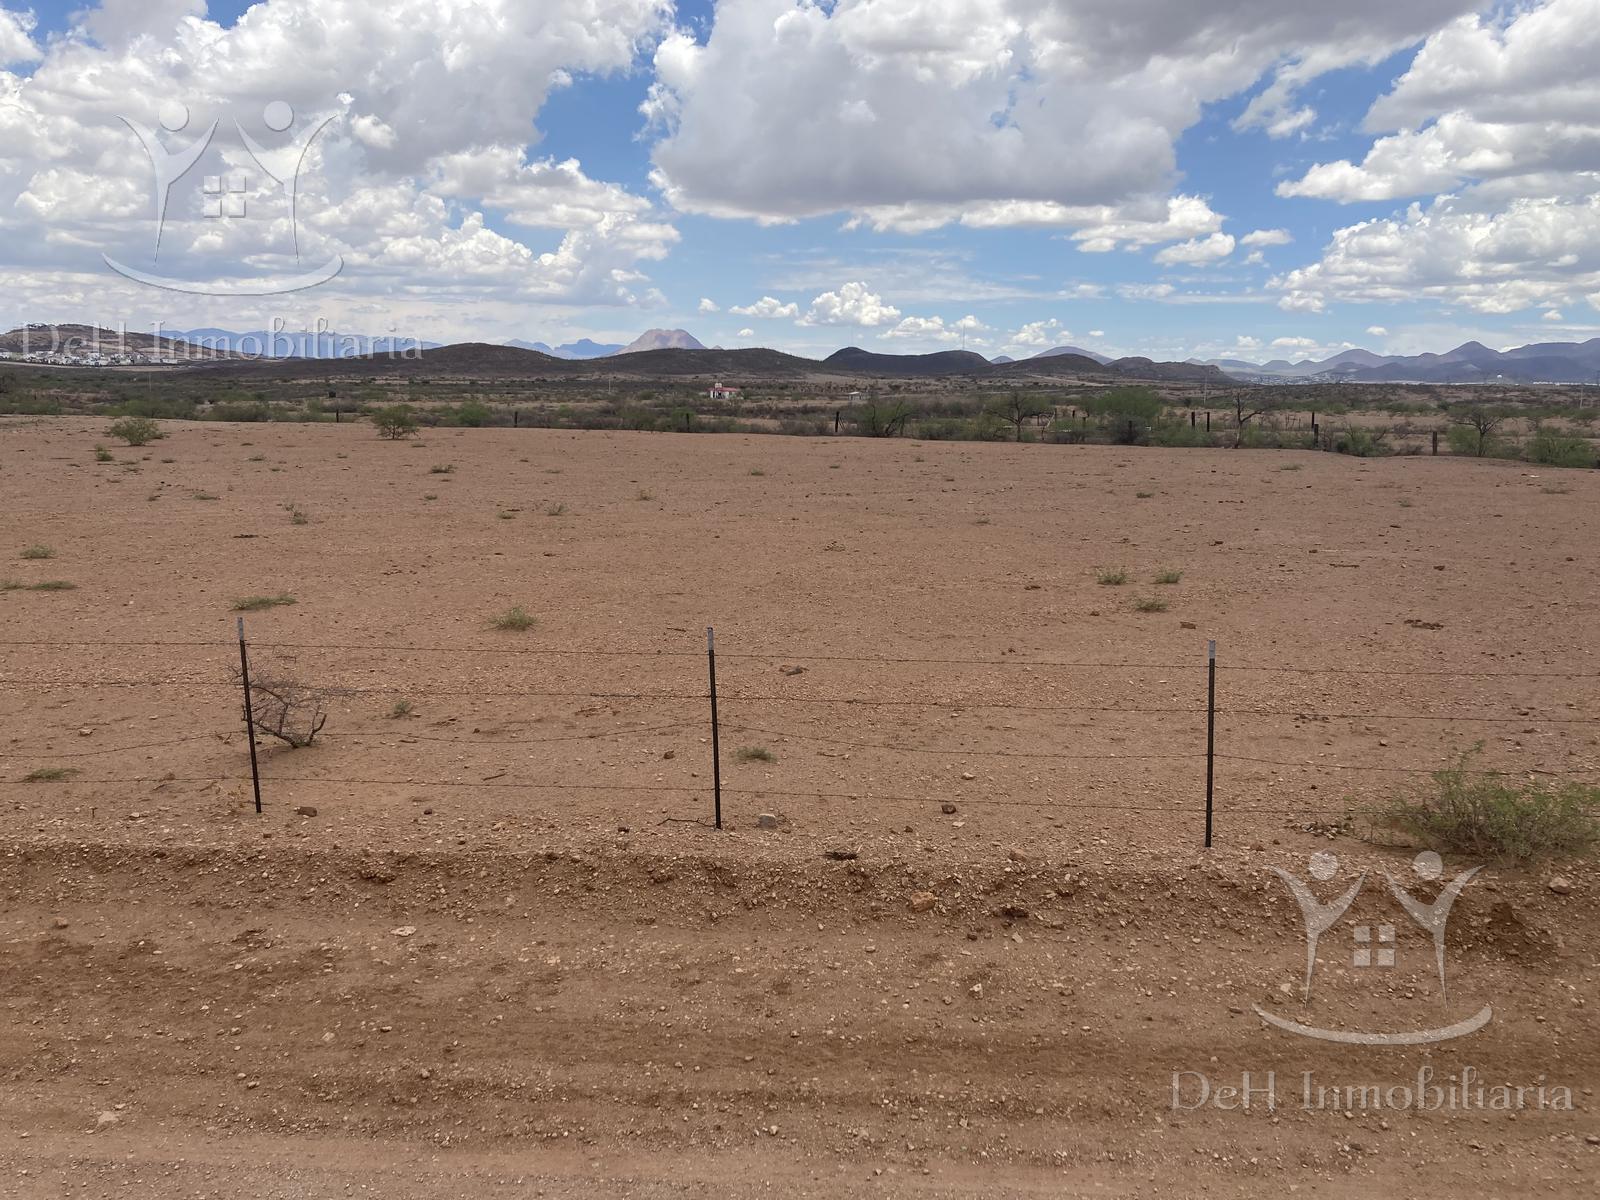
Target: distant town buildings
point(75, 357)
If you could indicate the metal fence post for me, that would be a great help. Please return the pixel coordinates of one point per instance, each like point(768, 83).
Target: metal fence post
point(249, 716)
point(716, 747)
point(1211, 732)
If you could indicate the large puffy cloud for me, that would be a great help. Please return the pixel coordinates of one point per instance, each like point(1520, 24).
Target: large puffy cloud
point(432, 103)
point(1536, 251)
point(1500, 114)
point(912, 113)
point(853, 304)
point(1482, 100)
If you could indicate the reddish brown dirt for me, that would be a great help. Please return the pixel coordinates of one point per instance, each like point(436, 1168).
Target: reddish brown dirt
point(200, 1001)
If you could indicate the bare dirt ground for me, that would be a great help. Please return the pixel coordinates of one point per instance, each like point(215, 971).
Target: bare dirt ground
point(507, 955)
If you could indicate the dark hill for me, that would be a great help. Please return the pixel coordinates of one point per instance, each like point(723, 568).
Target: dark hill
point(945, 362)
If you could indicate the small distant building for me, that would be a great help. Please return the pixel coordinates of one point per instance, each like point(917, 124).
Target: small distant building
point(718, 392)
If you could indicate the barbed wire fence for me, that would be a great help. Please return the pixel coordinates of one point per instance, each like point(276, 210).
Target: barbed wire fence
point(1209, 728)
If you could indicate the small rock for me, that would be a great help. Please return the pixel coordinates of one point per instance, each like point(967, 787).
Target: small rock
point(976, 991)
point(794, 670)
point(1016, 856)
point(841, 855)
point(60, 922)
point(1592, 1138)
point(968, 775)
point(86, 732)
point(106, 1119)
point(670, 755)
point(922, 902)
point(767, 821)
point(305, 810)
point(404, 931)
point(1560, 885)
point(947, 809)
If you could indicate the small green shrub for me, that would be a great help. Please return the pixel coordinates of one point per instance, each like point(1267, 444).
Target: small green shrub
point(1169, 577)
point(556, 510)
point(515, 619)
point(755, 754)
point(1110, 577)
point(442, 469)
point(54, 585)
point(1151, 604)
point(101, 454)
point(395, 423)
point(297, 515)
point(401, 709)
point(1552, 449)
point(38, 552)
point(259, 603)
point(1487, 815)
point(136, 431)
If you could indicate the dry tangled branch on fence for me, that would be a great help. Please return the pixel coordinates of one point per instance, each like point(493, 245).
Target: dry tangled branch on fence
point(286, 709)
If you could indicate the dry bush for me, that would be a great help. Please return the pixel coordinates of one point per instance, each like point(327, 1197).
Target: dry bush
point(286, 709)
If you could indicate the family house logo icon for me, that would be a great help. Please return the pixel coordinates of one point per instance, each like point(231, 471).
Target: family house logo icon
point(226, 196)
point(1376, 947)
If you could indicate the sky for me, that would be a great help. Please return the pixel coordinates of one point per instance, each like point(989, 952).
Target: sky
point(1250, 179)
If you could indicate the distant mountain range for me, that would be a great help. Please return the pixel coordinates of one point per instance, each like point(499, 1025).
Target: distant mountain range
point(1473, 362)
point(676, 352)
point(1060, 350)
point(662, 339)
point(583, 348)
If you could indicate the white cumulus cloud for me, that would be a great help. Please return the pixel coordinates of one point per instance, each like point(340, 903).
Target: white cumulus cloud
point(768, 308)
point(852, 304)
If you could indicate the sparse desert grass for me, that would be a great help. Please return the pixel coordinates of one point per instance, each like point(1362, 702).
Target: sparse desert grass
point(431, 496)
point(1556, 489)
point(1169, 577)
point(260, 603)
point(49, 585)
point(1151, 604)
point(642, 494)
point(514, 619)
point(1143, 495)
point(984, 521)
point(555, 510)
point(257, 458)
point(1490, 816)
point(204, 496)
point(101, 454)
point(50, 774)
point(757, 472)
point(1111, 577)
point(1290, 467)
point(506, 514)
point(297, 515)
point(38, 552)
point(401, 709)
point(442, 469)
point(755, 754)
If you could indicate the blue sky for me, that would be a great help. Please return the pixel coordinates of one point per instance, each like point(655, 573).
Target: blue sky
point(892, 173)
